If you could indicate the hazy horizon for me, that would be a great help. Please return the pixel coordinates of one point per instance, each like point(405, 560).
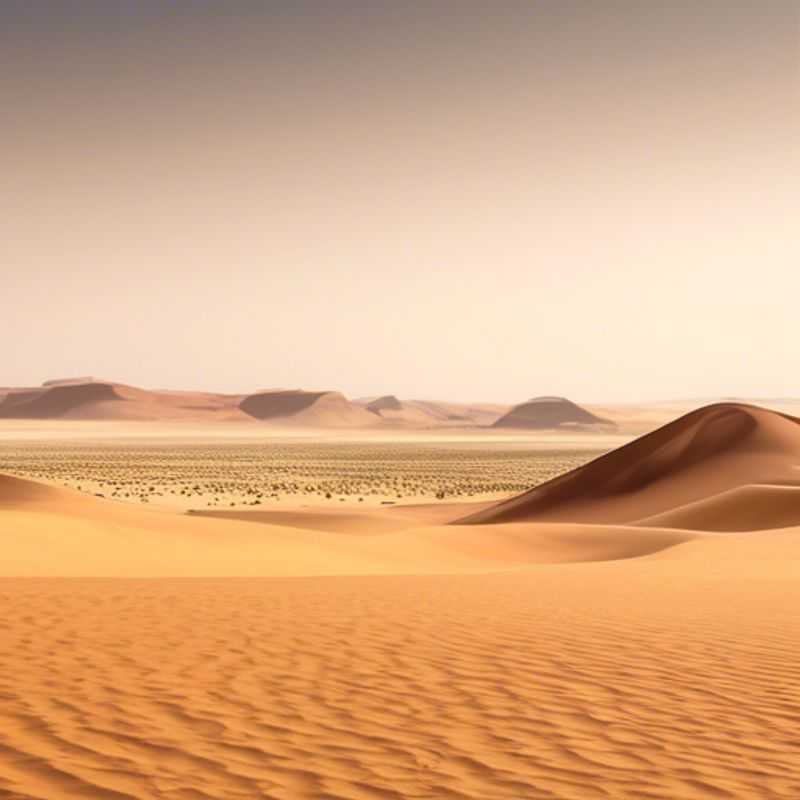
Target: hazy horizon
point(451, 201)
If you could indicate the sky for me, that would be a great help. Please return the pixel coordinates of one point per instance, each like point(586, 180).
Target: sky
point(460, 200)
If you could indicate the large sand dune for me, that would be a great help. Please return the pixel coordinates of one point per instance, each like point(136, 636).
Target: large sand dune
point(626, 631)
point(703, 453)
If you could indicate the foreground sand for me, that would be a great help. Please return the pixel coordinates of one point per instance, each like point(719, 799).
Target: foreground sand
point(671, 676)
point(626, 631)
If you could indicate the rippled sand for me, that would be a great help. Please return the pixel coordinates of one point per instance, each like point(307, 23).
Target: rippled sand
point(656, 677)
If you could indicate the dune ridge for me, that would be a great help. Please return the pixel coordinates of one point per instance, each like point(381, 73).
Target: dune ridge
point(705, 452)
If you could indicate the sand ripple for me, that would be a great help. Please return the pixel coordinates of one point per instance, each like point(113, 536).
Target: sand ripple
point(573, 681)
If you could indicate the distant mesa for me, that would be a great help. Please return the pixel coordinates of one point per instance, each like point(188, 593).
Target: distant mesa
point(90, 399)
point(545, 413)
point(282, 403)
point(79, 398)
point(669, 477)
point(312, 409)
point(56, 400)
point(386, 403)
point(87, 398)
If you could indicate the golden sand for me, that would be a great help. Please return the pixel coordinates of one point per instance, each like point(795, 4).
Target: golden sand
point(386, 653)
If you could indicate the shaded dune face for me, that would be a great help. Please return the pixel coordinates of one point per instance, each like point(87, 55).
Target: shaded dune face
point(16, 492)
point(57, 401)
point(549, 412)
point(705, 452)
point(270, 405)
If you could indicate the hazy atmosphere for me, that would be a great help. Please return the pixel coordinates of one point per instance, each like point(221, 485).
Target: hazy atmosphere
point(590, 199)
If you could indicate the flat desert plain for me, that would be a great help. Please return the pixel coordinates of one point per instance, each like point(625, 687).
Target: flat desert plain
point(525, 620)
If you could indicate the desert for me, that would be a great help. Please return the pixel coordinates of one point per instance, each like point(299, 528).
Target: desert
point(399, 400)
point(624, 628)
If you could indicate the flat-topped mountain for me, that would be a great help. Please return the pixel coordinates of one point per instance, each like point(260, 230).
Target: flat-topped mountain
point(311, 409)
point(106, 400)
point(92, 399)
point(543, 413)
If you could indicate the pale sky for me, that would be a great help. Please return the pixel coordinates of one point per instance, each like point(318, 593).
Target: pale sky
point(450, 200)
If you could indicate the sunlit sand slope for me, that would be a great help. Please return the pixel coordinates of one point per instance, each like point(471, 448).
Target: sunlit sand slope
point(55, 532)
point(747, 508)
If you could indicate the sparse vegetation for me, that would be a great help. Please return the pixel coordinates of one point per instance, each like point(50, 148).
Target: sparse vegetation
point(227, 475)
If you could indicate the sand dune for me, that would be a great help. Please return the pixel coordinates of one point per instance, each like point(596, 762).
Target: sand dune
point(50, 531)
point(18, 493)
point(386, 653)
point(703, 453)
point(545, 413)
point(746, 508)
point(371, 521)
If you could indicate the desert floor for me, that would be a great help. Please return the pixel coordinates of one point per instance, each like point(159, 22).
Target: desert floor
point(646, 678)
point(377, 652)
